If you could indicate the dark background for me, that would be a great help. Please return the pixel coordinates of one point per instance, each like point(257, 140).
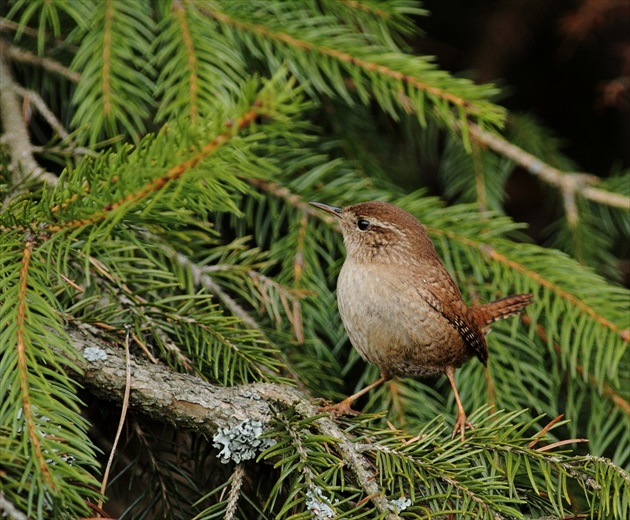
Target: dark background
point(567, 63)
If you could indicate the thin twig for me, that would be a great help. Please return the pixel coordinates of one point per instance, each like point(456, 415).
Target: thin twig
point(611, 466)
point(123, 414)
point(357, 463)
point(132, 301)
point(66, 151)
point(144, 348)
point(569, 183)
point(559, 443)
point(295, 200)
point(43, 109)
point(18, 54)
point(41, 106)
point(236, 481)
point(200, 278)
point(157, 475)
point(6, 24)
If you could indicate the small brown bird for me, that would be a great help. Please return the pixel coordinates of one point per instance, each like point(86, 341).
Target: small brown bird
point(400, 307)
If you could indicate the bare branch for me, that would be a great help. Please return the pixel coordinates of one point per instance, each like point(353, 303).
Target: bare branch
point(23, 165)
point(17, 54)
point(201, 278)
point(11, 25)
point(42, 108)
point(184, 400)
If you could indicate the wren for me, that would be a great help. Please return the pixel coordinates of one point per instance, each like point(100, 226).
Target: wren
point(399, 305)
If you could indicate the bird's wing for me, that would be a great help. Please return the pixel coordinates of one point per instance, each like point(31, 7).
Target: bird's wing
point(435, 290)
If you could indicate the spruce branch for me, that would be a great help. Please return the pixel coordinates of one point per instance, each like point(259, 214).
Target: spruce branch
point(384, 22)
point(174, 173)
point(192, 404)
point(113, 95)
point(21, 347)
point(199, 69)
point(191, 62)
point(436, 471)
point(106, 80)
point(388, 12)
point(606, 389)
point(407, 77)
point(47, 459)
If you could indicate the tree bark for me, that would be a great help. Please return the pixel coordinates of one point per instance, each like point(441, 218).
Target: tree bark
point(181, 399)
point(190, 403)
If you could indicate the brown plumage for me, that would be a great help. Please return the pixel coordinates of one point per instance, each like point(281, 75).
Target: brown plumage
point(400, 307)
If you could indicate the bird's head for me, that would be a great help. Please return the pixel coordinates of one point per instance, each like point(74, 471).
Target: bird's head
point(378, 231)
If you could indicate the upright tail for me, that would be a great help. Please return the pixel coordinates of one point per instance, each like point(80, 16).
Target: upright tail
point(488, 313)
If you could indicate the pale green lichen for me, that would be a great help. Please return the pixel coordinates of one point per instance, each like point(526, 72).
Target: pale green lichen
point(241, 442)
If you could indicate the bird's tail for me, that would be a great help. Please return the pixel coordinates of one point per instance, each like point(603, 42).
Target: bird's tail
point(488, 313)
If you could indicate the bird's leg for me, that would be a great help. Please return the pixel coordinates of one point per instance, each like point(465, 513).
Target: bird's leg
point(344, 408)
point(461, 422)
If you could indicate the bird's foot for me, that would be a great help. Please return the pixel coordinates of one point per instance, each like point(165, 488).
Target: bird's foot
point(460, 425)
point(341, 408)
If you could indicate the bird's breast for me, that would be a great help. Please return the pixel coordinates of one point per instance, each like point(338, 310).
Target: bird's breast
point(391, 325)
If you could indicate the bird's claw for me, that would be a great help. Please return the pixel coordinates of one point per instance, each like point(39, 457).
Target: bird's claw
point(341, 408)
point(460, 425)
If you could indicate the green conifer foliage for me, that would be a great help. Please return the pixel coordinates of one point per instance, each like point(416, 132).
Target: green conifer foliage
point(157, 251)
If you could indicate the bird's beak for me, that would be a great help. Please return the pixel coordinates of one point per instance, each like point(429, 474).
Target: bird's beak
point(330, 209)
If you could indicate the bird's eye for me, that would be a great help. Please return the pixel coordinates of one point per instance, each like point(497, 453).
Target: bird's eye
point(363, 224)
